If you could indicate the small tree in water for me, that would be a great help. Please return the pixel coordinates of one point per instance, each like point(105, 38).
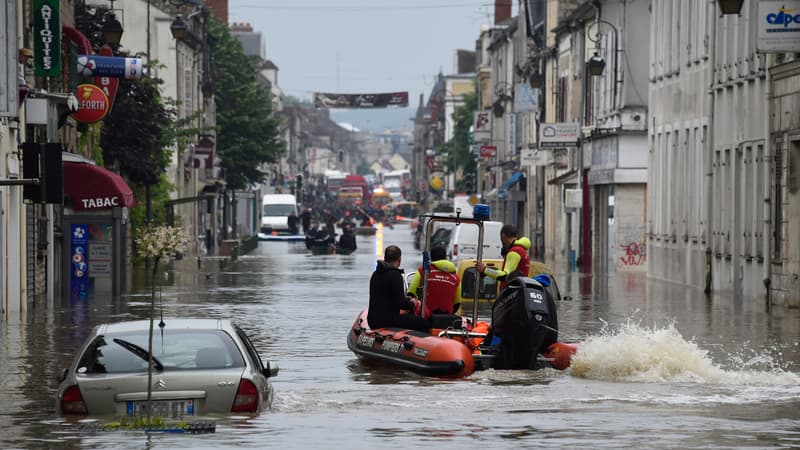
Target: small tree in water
point(157, 243)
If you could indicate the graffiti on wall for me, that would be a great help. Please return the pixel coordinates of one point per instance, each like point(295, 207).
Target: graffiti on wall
point(633, 254)
point(632, 247)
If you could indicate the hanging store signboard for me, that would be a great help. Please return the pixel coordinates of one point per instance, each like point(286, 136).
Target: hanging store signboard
point(526, 98)
point(47, 38)
point(488, 151)
point(109, 85)
point(562, 134)
point(481, 127)
point(93, 104)
point(110, 66)
point(382, 100)
point(532, 157)
point(778, 27)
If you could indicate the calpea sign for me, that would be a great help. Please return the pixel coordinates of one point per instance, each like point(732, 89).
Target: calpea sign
point(47, 38)
point(779, 26)
point(93, 104)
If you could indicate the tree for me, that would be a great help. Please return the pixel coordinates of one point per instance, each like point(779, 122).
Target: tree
point(458, 149)
point(248, 134)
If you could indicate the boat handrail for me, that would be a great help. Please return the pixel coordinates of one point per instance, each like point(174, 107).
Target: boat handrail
point(426, 252)
point(471, 334)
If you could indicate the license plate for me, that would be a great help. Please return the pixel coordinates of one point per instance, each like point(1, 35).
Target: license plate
point(163, 408)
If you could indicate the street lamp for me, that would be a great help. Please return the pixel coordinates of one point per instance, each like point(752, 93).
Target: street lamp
point(596, 64)
point(179, 28)
point(730, 6)
point(112, 30)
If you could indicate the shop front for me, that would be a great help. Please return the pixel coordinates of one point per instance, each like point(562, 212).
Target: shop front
point(95, 231)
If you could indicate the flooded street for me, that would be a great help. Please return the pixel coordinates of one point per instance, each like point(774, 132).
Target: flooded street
point(662, 366)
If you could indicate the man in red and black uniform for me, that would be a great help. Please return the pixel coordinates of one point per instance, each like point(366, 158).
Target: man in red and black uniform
point(387, 297)
point(516, 261)
point(442, 283)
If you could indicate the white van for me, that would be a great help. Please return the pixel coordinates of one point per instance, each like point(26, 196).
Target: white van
point(275, 211)
point(464, 241)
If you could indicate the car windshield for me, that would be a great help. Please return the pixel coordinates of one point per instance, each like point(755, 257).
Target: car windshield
point(174, 350)
point(278, 210)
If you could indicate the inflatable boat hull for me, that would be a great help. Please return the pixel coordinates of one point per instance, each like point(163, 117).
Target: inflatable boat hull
point(413, 350)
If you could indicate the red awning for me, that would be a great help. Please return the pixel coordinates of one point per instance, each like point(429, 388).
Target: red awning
point(91, 187)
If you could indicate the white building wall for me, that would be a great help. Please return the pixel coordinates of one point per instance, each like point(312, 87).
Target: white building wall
point(708, 110)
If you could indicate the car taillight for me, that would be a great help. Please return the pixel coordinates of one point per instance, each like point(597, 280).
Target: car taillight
point(246, 397)
point(455, 249)
point(72, 402)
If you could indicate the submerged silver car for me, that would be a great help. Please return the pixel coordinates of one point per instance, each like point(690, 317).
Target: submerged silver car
point(200, 366)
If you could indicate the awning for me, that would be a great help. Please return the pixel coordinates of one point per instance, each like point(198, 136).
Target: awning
point(91, 187)
point(512, 180)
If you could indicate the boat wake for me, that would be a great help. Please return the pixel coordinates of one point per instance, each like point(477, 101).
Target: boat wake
point(635, 353)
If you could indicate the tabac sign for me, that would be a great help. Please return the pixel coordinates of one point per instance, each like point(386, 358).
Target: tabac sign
point(47, 38)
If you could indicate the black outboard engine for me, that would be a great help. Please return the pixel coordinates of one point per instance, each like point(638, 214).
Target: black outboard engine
point(524, 318)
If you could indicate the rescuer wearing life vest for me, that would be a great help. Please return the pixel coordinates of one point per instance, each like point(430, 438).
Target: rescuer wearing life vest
point(516, 261)
point(387, 297)
point(442, 283)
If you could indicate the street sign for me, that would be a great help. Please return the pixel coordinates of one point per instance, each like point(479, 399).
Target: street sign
point(488, 151)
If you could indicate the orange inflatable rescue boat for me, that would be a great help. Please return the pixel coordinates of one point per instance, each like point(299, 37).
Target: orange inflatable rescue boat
point(522, 334)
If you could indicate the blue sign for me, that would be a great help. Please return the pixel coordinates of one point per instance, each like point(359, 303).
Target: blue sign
point(110, 66)
point(79, 262)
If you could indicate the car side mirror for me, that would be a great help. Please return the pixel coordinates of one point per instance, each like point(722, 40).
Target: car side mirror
point(62, 375)
point(271, 369)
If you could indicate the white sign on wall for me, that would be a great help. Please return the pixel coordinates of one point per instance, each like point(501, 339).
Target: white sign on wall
point(778, 26)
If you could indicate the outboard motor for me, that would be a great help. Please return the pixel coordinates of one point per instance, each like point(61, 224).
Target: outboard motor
point(524, 318)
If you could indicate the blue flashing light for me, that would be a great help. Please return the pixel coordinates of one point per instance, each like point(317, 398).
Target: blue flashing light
point(481, 212)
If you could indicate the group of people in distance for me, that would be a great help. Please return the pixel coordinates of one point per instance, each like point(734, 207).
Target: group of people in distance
point(391, 306)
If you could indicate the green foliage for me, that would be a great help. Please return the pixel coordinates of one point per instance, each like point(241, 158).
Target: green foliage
point(364, 168)
point(159, 195)
point(248, 135)
point(459, 154)
point(139, 131)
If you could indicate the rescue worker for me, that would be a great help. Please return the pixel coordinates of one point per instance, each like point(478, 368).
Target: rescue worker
point(442, 284)
point(387, 299)
point(516, 261)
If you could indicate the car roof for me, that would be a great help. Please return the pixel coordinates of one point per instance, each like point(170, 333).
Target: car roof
point(171, 323)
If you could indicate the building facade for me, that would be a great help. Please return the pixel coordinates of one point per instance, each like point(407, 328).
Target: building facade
point(724, 212)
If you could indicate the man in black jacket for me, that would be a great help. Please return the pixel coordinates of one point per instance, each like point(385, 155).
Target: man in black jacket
point(347, 241)
point(387, 296)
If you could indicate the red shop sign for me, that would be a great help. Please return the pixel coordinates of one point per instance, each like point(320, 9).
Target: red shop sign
point(93, 104)
point(487, 151)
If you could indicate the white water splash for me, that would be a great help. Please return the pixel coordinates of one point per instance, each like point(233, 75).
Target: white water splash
point(640, 354)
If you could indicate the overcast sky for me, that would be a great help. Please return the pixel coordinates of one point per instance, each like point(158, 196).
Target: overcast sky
point(370, 46)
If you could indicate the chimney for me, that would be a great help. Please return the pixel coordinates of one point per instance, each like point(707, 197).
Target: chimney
point(219, 8)
point(502, 10)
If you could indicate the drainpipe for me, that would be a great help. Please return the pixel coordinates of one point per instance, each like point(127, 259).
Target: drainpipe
point(767, 180)
point(709, 156)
